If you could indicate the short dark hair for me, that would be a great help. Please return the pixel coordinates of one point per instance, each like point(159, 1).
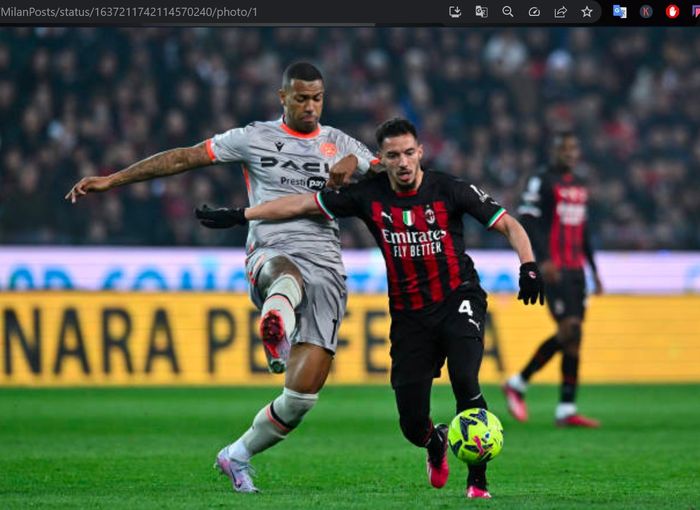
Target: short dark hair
point(560, 136)
point(395, 127)
point(300, 71)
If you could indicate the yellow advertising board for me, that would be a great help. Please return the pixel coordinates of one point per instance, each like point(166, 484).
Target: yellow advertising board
point(71, 338)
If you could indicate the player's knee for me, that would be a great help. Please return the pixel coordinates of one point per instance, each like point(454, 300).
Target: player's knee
point(291, 406)
point(287, 286)
point(572, 338)
point(280, 275)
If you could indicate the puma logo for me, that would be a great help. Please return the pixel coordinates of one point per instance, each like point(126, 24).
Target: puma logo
point(388, 217)
point(477, 324)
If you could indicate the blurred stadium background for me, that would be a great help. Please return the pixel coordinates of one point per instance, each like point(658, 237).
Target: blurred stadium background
point(89, 101)
point(84, 101)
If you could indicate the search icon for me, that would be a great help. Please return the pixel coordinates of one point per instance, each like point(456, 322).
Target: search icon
point(507, 11)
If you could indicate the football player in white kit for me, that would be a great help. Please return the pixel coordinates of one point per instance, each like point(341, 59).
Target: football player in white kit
point(288, 279)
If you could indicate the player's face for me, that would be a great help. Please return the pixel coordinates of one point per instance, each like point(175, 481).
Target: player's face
point(401, 156)
point(302, 102)
point(567, 153)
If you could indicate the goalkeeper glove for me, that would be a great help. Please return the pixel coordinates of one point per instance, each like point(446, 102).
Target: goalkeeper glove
point(531, 286)
point(222, 217)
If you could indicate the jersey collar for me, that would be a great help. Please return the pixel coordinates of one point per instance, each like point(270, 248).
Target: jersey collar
point(299, 134)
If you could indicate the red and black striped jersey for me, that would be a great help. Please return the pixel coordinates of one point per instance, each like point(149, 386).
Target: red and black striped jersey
point(420, 233)
point(554, 210)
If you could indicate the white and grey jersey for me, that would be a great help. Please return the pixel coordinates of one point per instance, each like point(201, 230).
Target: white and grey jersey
point(278, 161)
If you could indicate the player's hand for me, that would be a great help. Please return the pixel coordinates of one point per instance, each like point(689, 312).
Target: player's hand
point(87, 185)
point(220, 218)
point(550, 272)
point(531, 284)
point(341, 172)
point(597, 285)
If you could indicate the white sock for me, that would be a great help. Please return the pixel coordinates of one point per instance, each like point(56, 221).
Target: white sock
point(238, 451)
point(564, 409)
point(517, 383)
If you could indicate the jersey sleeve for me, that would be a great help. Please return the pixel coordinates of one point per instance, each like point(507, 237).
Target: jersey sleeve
point(230, 146)
point(535, 210)
point(469, 199)
point(537, 198)
point(341, 203)
point(348, 145)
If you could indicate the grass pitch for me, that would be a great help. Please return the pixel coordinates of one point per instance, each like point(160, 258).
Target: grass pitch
point(154, 448)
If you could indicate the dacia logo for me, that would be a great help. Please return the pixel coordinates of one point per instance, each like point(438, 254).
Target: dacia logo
point(314, 167)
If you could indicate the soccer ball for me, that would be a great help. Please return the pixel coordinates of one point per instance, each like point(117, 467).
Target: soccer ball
point(475, 436)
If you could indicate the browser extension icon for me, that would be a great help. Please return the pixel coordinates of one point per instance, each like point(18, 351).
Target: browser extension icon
point(620, 11)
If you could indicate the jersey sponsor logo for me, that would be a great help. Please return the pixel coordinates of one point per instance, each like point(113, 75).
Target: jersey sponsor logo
point(571, 214)
point(279, 145)
point(314, 167)
point(313, 183)
point(328, 149)
point(414, 244)
point(408, 218)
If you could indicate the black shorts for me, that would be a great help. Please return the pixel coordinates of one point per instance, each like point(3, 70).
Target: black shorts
point(568, 297)
point(419, 338)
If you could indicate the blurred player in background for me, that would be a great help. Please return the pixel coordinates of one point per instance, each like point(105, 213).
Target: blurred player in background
point(437, 305)
point(287, 278)
point(554, 212)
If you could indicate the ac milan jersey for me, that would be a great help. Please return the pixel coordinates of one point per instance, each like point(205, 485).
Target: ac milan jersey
point(278, 161)
point(420, 233)
point(559, 203)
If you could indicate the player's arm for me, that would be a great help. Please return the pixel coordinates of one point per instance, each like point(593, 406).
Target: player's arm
point(329, 203)
point(588, 250)
point(517, 237)
point(166, 163)
point(358, 159)
point(530, 281)
point(477, 203)
point(284, 208)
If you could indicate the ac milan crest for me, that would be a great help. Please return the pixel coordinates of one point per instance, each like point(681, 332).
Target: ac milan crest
point(429, 215)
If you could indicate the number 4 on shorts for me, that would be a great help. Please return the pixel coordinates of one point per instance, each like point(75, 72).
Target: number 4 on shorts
point(466, 307)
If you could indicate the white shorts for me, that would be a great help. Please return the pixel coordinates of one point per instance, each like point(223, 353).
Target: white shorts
point(325, 297)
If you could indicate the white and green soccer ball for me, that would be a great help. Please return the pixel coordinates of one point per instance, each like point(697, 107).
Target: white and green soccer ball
point(475, 436)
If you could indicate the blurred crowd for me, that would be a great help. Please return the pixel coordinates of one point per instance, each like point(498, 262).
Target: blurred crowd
point(88, 101)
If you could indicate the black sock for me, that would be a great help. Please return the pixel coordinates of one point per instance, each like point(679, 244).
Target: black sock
point(477, 476)
point(569, 372)
point(542, 355)
point(436, 446)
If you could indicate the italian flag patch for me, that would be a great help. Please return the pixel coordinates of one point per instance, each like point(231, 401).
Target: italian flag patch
point(408, 218)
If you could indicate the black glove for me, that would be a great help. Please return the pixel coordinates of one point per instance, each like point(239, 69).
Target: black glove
point(531, 285)
point(220, 218)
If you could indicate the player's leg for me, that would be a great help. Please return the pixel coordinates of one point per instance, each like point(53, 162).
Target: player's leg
point(308, 366)
point(570, 334)
point(280, 283)
point(414, 359)
point(462, 336)
point(516, 385)
point(566, 413)
point(307, 370)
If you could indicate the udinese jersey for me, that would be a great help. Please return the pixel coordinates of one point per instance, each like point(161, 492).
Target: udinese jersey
point(420, 233)
point(278, 161)
point(558, 202)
